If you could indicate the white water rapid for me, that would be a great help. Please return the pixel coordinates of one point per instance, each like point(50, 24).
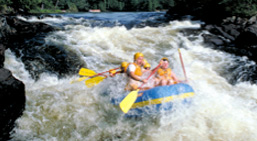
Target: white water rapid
point(57, 110)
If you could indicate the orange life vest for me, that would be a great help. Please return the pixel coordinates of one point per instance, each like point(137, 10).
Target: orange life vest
point(164, 74)
point(126, 68)
point(138, 70)
point(133, 86)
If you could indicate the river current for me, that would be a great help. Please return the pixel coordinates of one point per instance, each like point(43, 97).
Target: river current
point(59, 110)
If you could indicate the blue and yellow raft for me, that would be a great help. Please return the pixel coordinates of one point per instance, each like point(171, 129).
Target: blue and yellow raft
point(159, 99)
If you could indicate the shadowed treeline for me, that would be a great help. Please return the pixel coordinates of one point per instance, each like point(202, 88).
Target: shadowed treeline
point(205, 8)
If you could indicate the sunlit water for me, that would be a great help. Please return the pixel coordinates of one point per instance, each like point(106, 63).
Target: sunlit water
point(58, 110)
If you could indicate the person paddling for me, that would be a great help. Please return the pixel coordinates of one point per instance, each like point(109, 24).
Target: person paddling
point(123, 69)
point(146, 72)
point(147, 68)
point(134, 72)
point(164, 75)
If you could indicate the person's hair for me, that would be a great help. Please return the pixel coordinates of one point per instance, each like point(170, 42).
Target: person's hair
point(165, 59)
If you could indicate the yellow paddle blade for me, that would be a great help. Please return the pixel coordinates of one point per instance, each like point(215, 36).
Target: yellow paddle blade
point(86, 72)
point(94, 81)
point(78, 80)
point(128, 101)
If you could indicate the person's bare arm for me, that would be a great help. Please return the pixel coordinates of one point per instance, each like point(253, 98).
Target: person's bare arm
point(135, 77)
point(174, 77)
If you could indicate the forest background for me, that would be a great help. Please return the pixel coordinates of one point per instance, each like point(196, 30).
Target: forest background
point(245, 8)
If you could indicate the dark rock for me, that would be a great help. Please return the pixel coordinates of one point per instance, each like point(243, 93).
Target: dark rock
point(241, 34)
point(50, 59)
point(13, 30)
point(253, 20)
point(214, 40)
point(12, 102)
point(27, 29)
point(27, 41)
point(237, 36)
point(247, 37)
point(12, 98)
point(232, 30)
point(2, 57)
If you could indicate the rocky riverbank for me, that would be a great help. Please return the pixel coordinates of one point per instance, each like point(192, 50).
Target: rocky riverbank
point(26, 40)
point(12, 98)
point(235, 35)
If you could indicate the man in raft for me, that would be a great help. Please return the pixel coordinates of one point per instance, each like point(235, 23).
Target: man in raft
point(123, 69)
point(134, 72)
point(164, 75)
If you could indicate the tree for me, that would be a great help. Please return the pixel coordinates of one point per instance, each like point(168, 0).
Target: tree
point(24, 5)
point(166, 4)
point(82, 5)
point(156, 4)
point(240, 7)
point(102, 5)
point(5, 2)
point(135, 5)
point(150, 5)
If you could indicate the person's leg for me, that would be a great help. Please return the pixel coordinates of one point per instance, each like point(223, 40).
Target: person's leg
point(171, 82)
point(164, 82)
point(156, 82)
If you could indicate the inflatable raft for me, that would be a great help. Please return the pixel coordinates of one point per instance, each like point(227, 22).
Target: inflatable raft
point(159, 99)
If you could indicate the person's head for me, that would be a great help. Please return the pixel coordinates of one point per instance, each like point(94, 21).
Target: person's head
point(145, 61)
point(139, 58)
point(147, 66)
point(165, 63)
point(123, 66)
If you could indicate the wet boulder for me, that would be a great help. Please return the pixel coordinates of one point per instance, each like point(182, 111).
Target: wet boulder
point(27, 41)
point(12, 99)
point(234, 35)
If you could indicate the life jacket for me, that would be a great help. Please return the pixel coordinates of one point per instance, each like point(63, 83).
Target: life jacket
point(164, 74)
point(126, 68)
point(138, 70)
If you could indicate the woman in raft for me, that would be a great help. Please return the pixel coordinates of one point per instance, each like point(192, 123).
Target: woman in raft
point(164, 75)
point(140, 68)
point(136, 72)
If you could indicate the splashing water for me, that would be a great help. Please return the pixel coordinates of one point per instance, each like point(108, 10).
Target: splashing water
point(58, 110)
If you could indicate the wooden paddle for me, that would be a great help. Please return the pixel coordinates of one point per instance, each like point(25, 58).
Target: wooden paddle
point(94, 78)
point(182, 64)
point(130, 99)
point(86, 72)
point(94, 81)
point(78, 80)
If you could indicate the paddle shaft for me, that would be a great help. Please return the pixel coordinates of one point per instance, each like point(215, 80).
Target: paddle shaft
point(103, 72)
point(182, 64)
point(154, 70)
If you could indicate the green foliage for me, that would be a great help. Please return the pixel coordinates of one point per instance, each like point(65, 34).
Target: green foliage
point(102, 6)
point(72, 7)
point(4, 9)
point(45, 11)
point(218, 8)
point(200, 7)
point(134, 5)
point(5, 2)
point(240, 7)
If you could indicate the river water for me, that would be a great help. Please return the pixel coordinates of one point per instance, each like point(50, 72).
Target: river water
point(58, 110)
